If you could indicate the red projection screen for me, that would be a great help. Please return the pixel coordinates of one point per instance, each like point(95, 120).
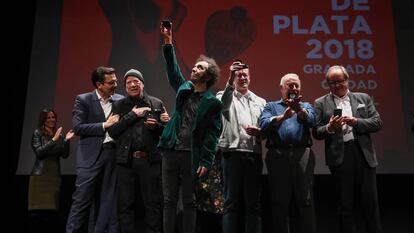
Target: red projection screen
point(72, 37)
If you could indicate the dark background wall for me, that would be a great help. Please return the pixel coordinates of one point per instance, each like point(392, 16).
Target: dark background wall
point(396, 192)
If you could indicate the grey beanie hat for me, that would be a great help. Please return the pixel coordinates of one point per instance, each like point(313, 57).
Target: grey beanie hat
point(133, 72)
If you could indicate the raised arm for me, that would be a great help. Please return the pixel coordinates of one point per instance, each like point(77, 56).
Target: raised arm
point(175, 77)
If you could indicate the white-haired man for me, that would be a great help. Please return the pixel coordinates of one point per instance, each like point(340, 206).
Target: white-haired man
point(290, 160)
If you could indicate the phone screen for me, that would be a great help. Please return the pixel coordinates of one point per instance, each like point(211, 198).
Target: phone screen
point(154, 113)
point(337, 112)
point(166, 23)
point(292, 96)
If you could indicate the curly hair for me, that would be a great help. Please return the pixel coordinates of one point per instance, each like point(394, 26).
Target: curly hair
point(213, 70)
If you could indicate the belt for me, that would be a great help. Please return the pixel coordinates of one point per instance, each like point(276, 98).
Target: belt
point(288, 146)
point(109, 145)
point(352, 141)
point(140, 154)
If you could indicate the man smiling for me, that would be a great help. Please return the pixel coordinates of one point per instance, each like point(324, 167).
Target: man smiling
point(349, 152)
point(189, 141)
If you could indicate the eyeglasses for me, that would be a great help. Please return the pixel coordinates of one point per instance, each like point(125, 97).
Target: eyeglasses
point(113, 82)
point(337, 82)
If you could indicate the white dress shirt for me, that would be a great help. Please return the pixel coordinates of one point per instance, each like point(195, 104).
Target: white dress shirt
point(344, 103)
point(241, 103)
point(107, 108)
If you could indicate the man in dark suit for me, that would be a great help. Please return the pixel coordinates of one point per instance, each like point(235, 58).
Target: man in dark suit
point(95, 166)
point(189, 140)
point(349, 151)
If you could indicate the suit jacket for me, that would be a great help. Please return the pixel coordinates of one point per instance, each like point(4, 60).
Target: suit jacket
point(207, 123)
point(87, 119)
point(369, 121)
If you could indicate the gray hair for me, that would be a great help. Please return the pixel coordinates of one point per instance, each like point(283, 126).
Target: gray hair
point(337, 67)
point(286, 76)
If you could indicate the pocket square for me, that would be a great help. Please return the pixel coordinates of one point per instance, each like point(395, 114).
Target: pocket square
point(361, 106)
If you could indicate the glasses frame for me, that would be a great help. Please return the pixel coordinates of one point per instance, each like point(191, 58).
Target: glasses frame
point(111, 83)
point(336, 82)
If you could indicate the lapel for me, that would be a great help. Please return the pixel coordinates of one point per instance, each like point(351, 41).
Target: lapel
point(354, 103)
point(182, 91)
point(330, 101)
point(186, 86)
point(97, 105)
point(203, 108)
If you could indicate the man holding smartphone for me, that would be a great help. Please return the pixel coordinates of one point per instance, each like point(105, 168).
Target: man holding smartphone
point(349, 152)
point(138, 160)
point(290, 160)
point(189, 140)
point(241, 145)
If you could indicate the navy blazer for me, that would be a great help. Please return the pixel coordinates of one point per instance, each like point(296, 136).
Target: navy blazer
point(87, 119)
point(369, 121)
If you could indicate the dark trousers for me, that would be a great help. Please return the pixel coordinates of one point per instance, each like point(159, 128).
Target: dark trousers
point(95, 183)
point(241, 175)
point(290, 173)
point(139, 183)
point(44, 221)
point(176, 175)
point(355, 177)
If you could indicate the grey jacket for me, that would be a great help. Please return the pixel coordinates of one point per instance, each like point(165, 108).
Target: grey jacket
point(229, 138)
point(369, 121)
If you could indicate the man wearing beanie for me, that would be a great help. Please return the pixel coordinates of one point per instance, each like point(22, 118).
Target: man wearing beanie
point(135, 73)
point(141, 122)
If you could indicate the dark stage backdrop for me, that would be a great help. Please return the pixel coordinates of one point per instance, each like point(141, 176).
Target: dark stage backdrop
point(372, 39)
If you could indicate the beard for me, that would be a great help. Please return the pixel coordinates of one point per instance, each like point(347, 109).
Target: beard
point(199, 79)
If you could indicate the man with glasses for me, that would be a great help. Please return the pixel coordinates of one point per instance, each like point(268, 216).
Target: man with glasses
point(349, 152)
point(95, 168)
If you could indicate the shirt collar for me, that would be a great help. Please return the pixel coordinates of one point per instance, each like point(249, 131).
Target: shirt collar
point(281, 102)
point(143, 98)
point(345, 97)
point(101, 99)
point(200, 94)
point(248, 95)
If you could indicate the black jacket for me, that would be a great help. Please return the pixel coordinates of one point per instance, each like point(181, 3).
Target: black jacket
point(125, 131)
point(44, 147)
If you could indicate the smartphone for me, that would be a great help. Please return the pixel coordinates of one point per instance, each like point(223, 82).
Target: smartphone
point(337, 112)
point(292, 96)
point(244, 66)
point(154, 113)
point(166, 23)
